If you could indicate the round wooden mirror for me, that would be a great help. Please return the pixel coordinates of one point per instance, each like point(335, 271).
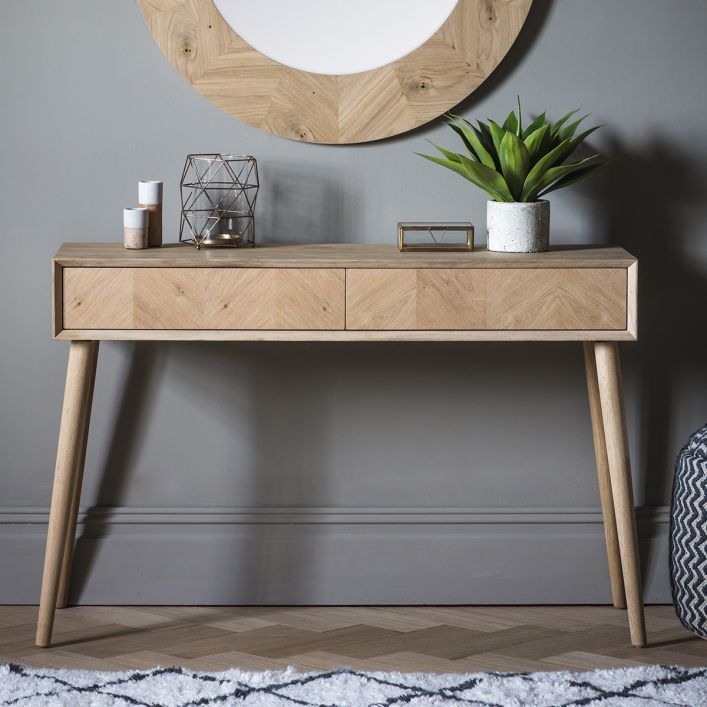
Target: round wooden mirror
point(335, 71)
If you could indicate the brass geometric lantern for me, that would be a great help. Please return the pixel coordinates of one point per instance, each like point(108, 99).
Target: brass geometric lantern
point(218, 200)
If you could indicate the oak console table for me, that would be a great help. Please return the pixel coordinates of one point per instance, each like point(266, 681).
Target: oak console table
point(346, 293)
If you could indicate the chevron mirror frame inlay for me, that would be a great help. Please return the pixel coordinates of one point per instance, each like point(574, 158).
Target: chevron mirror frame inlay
point(335, 108)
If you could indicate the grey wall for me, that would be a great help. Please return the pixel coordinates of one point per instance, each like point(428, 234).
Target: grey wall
point(344, 472)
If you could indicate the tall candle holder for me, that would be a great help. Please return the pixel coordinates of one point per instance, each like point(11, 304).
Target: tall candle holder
point(150, 198)
point(218, 194)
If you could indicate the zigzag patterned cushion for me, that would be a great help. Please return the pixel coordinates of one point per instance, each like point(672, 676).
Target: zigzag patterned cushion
point(688, 534)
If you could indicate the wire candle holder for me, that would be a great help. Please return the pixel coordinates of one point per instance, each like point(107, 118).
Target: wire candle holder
point(218, 193)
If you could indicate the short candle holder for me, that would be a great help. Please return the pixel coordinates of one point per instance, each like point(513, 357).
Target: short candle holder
point(135, 228)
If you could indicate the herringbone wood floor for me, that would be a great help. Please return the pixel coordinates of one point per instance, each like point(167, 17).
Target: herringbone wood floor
point(435, 639)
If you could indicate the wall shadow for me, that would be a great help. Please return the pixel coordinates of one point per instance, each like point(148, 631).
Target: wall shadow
point(145, 363)
point(285, 418)
point(299, 206)
point(645, 196)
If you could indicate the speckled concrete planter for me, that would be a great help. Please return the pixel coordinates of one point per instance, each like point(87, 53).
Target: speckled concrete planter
point(518, 227)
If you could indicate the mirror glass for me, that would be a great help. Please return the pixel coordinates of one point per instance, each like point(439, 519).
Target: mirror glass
point(335, 36)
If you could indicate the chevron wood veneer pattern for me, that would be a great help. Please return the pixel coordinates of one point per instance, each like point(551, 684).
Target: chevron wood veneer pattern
point(489, 299)
point(204, 298)
point(431, 639)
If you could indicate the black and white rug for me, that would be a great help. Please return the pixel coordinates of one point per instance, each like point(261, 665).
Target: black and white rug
point(647, 686)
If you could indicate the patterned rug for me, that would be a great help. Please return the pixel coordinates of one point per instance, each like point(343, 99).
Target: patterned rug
point(175, 687)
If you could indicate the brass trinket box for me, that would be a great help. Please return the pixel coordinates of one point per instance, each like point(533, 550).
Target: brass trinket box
point(436, 236)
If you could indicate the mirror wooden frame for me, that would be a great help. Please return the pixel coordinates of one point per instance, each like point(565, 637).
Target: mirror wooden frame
point(330, 109)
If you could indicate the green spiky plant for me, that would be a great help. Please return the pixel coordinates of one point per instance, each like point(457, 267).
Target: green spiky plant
point(513, 163)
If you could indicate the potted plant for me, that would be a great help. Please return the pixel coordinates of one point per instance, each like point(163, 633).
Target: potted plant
point(517, 166)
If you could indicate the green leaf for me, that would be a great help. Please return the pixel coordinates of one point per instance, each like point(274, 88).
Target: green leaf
point(515, 163)
point(497, 133)
point(452, 156)
point(519, 131)
point(574, 176)
point(462, 171)
point(556, 127)
point(535, 142)
point(570, 130)
point(449, 164)
point(579, 139)
point(488, 179)
point(487, 142)
point(471, 139)
point(542, 165)
point(555, 173)
point(466, 142)
point(558, 154)
point(484, 134)
point(511, 123)
point(537, 123)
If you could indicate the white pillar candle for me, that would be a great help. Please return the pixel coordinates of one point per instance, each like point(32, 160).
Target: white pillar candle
point(135, 228)
point(150, 198)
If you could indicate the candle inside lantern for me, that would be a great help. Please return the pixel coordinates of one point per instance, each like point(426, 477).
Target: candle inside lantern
point(227, 230)
point(229, 225)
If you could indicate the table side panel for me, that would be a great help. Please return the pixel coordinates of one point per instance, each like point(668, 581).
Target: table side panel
point(57, 298)
point(491, 299)
point(201, 298)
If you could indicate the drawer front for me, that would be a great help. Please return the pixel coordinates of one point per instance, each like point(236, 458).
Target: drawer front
point(203, 298)
point(487, 299)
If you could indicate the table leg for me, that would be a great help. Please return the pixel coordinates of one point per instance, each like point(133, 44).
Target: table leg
point(607, 498)
point(612, 408)
point(78, 383)
point(68, 553)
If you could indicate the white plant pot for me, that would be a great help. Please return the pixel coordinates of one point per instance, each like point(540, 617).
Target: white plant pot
point(518, 227)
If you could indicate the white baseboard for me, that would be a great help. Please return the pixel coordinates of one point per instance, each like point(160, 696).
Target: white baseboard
point(331, 555)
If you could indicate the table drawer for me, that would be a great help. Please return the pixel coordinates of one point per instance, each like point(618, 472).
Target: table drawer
point(203, 298)
point(487, 299)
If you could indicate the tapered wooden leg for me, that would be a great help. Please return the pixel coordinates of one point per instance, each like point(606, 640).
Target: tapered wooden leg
point(78, 381)
point(605, 494)
point(68, 554)
point(612, 409)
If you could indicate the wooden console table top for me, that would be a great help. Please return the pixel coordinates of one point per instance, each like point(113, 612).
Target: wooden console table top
point(332, 255)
